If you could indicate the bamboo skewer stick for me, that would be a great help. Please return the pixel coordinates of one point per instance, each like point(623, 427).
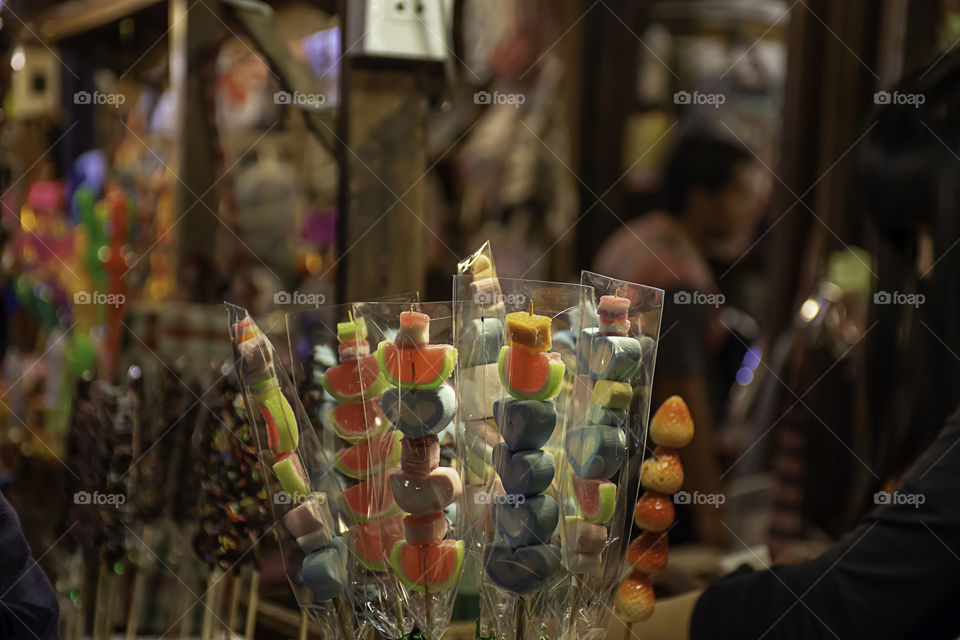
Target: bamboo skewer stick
point(303, 625)
point(186, 621)
point(575, 606)
point(139, 588)
point(236, 582)
point(521, 617)
point(98, 601)
point(343, 614)
point(136, 603)
point(212, 603)
point(253, 601)
point(111, 588)
point(76, 621)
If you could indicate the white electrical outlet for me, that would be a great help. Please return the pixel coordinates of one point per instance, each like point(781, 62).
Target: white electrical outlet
point(415, 29)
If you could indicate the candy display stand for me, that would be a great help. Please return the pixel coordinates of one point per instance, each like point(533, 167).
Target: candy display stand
point(513, 447)
point(341, 387)
point(302, 485)
point(414, 353)
point(604, 435)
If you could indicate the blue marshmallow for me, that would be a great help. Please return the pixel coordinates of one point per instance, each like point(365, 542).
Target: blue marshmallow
point(420, 412)
point(324, 571)
point(528, 472)
point(605, 415)
point(596, 451)
point(525, 424)
point(585, 347)
point(614, 357)
point(523, 522)
point(522, 570)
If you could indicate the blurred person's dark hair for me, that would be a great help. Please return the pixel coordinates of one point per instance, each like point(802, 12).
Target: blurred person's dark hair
point(699, 160)
point(911, 176)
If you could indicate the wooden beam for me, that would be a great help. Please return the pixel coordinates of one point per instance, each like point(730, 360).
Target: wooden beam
point(194, 38)
point(383, 156)
point(259, 22)
point(76, 16)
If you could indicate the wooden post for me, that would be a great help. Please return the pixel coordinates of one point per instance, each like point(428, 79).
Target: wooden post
point(383, 161)
point(194, 35)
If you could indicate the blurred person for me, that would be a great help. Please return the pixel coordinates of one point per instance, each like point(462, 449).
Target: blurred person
point(897, 575)
point(28, 605)
point(711, 199)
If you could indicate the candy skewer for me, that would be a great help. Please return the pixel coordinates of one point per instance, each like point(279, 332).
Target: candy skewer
point(671, 428)
point(480, 338)
point(597, 447)
point(375, 448)
point(323, 570)
point(421, 404)
point(522, 559)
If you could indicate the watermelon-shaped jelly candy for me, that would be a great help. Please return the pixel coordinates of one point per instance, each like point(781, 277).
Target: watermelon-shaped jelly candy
point(370, 458)
point(531, 376)
point(431, 567)
point(422, 367)
point(355, 380)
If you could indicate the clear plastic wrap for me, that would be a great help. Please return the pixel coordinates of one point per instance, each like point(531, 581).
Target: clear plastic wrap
point(301, 485)
point(604, 437)
point(515, 381)
point(413, 351)
point(477, 292)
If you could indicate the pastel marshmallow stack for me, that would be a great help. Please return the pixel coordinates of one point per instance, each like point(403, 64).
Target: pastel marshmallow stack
point(261, 379)
point(324, 567)
point(478, 384)
point(371, 446)
point(596, 451)
point(521, 559)
point(421, 403)
point(485, 287)
point(662, 474)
